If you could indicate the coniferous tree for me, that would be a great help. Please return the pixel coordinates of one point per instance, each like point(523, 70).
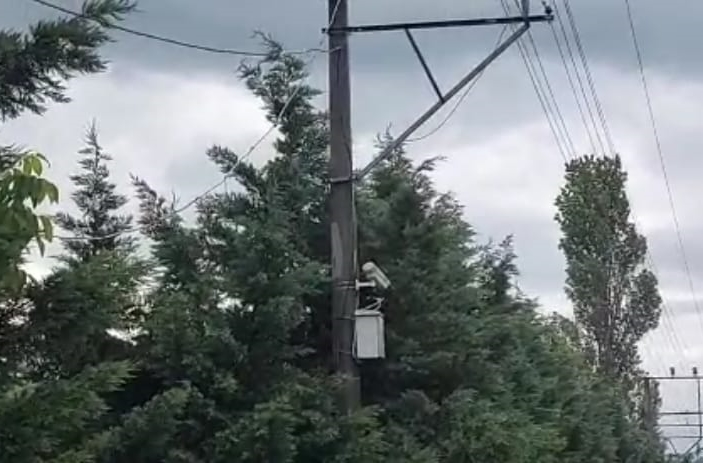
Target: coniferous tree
point(35, 66)
point(78, 309)
point(99, 227)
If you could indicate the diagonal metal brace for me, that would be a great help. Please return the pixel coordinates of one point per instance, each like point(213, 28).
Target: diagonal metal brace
point(446, 97)
point(425, 66)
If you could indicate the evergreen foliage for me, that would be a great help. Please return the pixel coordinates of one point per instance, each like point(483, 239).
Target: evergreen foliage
point(229, 358)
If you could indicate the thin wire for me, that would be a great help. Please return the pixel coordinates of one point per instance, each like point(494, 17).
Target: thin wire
point(662, 163)
point(579, 80)
point(542, 101)
point(572, 85)
point(538, 92)
point(244, 157)
point(589, 77)
point(459, 101)
point(667, 315)
point(163, 39)
point(559, 117)
point(557, 111)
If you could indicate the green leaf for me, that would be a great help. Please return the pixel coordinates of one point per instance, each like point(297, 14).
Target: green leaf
point(41, 245)
point(52, 192)
point(47, 227)
point(27, 166)
point(37, 166)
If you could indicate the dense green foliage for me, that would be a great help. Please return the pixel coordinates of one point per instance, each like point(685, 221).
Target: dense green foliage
point(217, 347)
point(616, 300)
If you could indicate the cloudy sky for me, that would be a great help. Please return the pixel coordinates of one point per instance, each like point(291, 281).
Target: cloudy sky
point(159, 107)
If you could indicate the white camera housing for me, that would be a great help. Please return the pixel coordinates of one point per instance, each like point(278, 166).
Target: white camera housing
point(375, 275)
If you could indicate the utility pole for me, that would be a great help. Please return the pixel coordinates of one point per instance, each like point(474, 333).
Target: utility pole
point(700, 411)
point(650, 419)
point(342, 207)
point(679, 419)
point(343, 227)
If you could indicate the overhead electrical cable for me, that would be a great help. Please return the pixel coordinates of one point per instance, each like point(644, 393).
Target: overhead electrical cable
point(589, 77)
point(594, 128)
point(572, 85)
point(541, 97)
point(163, 39)
point(662, 163)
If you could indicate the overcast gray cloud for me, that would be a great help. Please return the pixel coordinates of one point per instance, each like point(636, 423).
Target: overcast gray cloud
point(668, 30)
point(160, 107)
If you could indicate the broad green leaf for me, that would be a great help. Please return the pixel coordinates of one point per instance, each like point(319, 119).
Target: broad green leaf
point(37, 166)
point(27, 166)
point(47, 227)
point(52, 192)
point(41, 245)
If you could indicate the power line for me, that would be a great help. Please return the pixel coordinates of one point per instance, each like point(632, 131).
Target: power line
point(539, 91)
point(579, 80)
point(660, 154)
point(163, 39)
point(548, 84)
point(589, 77)
point(572, 85)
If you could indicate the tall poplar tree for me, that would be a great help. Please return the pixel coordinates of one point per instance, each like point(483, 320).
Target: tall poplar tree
point(615, 298)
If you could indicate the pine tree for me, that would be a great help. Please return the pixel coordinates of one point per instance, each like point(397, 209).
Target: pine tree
point(64, 417)
point(78, 308)
point(100, 227)
point(34, 69)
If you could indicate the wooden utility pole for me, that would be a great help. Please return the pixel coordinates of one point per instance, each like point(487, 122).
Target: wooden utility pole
point(342, 177)
point(342, 207)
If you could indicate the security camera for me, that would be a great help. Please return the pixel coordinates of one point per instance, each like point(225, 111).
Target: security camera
point(376, 275)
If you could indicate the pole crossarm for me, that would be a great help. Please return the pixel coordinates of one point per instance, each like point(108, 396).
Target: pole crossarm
point(675, 378)
point(442, 101)
point(501, 20)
